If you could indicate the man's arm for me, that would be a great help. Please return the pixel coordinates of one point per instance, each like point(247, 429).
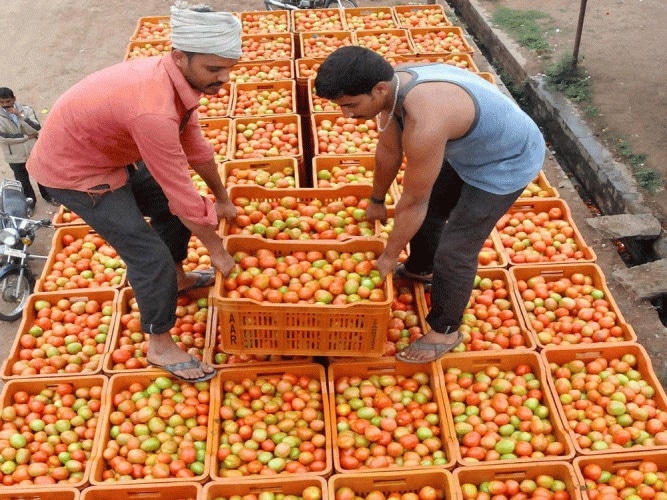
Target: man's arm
point(424, 139)
point(29, 122)
point(223, 205)
point(388, 159)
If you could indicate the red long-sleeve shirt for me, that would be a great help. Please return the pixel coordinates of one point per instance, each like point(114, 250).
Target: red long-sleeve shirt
point(127, 112)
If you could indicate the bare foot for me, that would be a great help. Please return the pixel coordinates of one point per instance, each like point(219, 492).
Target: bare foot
point(430, 347)
point(163, 351)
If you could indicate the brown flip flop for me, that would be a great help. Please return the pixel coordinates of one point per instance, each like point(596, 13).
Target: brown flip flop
point(439, 350)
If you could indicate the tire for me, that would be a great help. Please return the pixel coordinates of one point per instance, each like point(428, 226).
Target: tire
point(347, 4)
point(12, 303)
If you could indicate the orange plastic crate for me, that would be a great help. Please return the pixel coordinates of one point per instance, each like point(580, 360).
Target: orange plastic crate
point(52, 493)
point(317, 20)
point(612, 462)
point(365, 369)
point(305, 68)
point(432, 41)
point(154, 48)
point(318, 104)
point(464, 61)
point(291, 120)
point(536, 206)
point(420, 16)
point(64, 217)
point(330, 162)
point(152, 491)
point(540, 187)
point(284, 165)
point(267, 47)
point(297, 329)
point(553, 273)
point(217, 132)
point(555, 356)
point(487, 76)
point(319, 44)
point(30, 317)
point(34, 387)
point(122, 382)
point(391, 42)
point(219, 105)
point(497, 247)
point(126, 294)
point(265, 21)
point(479, 474)
point(306, 195)
point(288, 486)
point(394, 482)
point(152, 28)
point(215, 356)
point(237, 374)
point(262, 71)
point(78, 231)
point(370, 18)
point(286, 89)
point(468, 323)
point(507, 360)
point(400, 284)
point(317, 120)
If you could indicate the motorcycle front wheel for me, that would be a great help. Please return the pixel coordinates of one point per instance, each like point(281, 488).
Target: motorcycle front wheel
point(15, 290)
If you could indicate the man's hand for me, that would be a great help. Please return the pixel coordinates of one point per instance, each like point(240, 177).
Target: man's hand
point(386, 265)
point(225, 210)
point(375, 211)
point(223, 262)
point(13, 111)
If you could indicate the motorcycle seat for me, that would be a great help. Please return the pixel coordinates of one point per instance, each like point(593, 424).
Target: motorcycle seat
point(14, 202)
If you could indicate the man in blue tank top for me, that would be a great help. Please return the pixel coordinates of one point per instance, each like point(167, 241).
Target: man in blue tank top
point(470, 151)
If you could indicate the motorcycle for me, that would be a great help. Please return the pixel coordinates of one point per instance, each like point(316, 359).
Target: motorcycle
point(17, 233)
point(308, 4)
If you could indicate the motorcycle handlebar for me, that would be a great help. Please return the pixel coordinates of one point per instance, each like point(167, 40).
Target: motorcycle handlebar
point(38, 223)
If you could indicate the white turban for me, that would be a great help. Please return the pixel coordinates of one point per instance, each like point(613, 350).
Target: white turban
point(205, 32)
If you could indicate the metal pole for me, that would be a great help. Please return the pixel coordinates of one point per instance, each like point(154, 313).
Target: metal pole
point(577, 37)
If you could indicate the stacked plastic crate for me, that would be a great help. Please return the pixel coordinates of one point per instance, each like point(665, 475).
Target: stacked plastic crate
point(549, 395)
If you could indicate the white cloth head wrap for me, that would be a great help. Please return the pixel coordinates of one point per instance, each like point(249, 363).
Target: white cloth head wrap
point(205, 32)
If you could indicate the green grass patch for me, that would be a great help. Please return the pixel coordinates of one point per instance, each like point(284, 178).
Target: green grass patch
point(572, 81)
point(647, 178)
point(523, 26)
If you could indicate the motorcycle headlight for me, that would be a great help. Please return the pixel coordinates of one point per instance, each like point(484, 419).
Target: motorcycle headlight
point(9, 236)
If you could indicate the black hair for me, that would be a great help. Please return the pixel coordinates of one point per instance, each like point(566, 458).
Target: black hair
point(351, 70)
point(6, 93)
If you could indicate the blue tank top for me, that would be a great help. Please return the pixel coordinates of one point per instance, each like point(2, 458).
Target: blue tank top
point(503, 150)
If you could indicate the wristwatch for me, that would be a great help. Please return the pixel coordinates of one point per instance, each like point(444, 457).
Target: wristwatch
point(377, 201)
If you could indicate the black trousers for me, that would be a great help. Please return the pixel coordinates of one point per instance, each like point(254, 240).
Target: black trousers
point(21, 175)
point(459, 219)
point(150, 251)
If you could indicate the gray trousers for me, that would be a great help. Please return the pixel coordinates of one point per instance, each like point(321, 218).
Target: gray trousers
point(459, 219)
point(150, 251)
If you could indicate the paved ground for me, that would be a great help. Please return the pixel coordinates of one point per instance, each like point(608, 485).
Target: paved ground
point(48, 46)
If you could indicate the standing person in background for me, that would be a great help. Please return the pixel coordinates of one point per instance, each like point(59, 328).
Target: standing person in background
point(19, 128)
point(470, 152)
point(116, 148)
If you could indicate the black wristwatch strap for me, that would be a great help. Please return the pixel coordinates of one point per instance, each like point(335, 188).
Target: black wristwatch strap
point(377, 201)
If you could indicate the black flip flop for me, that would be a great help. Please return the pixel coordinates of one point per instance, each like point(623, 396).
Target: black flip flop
point(204, 279)
point(194, 363)
point(420, 277)
point(439, 350)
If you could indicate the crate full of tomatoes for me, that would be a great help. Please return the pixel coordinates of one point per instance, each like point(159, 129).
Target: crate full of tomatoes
point(311, 298)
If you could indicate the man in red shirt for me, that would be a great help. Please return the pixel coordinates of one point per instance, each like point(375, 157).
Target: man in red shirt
point(116, 147)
